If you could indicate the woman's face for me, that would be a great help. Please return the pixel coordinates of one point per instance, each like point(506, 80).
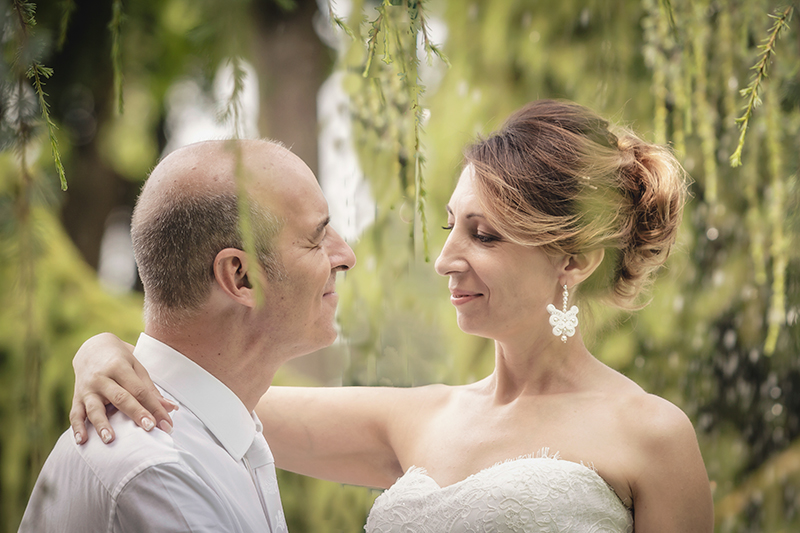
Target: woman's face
point(500, 289)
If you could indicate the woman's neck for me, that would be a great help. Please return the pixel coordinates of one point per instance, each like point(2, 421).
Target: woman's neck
point(538, 366)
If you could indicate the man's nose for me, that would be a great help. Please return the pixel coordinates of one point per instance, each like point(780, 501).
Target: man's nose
point(341, 255)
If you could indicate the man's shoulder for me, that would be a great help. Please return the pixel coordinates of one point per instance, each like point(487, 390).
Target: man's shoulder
point(79, 484)
point(131, 451)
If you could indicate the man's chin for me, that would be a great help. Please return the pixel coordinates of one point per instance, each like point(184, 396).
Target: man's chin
point(326, 339)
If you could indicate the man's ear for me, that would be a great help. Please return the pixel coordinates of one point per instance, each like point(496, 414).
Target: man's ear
point(231, 272)
point(578, 267)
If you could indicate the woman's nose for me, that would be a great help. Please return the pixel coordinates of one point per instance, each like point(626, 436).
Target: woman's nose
point(450, 259)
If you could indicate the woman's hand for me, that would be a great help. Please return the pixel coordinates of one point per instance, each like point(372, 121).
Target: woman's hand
point(106, 372)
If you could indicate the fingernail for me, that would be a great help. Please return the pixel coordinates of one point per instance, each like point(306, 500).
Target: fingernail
point(147, 424)
point(78, 438)
point(174, 405)
point(105, 435)
point(165, 427)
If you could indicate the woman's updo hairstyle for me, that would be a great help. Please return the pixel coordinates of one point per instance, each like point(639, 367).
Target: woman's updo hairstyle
point(555, 176)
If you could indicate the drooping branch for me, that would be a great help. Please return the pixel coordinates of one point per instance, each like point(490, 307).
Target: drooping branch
point(37, 72)
point(752, 91)
point(393, 36)
point(67, 7)
point(115, 26)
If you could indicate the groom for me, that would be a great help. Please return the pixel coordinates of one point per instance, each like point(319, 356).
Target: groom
point(218, 324)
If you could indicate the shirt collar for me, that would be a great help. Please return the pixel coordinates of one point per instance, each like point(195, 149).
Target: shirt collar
point(222, 412)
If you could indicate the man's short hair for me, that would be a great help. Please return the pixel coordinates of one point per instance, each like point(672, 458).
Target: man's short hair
point(176, 242)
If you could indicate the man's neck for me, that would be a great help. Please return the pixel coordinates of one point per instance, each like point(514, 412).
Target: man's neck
point(245, 370)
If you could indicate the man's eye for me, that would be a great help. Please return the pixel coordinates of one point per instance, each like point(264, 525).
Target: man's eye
point(322, 240)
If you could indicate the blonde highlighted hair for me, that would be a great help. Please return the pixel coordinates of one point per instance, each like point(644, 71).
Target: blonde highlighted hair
point(556, 176)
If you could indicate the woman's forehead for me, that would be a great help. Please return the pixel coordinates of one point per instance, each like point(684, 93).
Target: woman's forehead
point(465, 193)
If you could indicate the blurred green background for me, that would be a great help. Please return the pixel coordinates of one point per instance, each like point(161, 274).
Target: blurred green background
point(384, 128)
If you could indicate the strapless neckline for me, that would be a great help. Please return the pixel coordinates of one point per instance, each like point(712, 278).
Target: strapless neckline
point(532, 493)
point(542, 454)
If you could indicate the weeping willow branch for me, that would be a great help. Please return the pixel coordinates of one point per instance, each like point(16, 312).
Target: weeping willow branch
point(776, 317)
point(752, 90)
point(431, 49)
point(654, 45)
point(338, 22)
point(67, 7)
point(115, 26)
point(25, 237)
point(246, 209)
point(26, 13)
point(36, 72)
point(233, 106)
point(377, 29)
point(705, 113)
point(754, 216)
point(399, 49)
point(418, 26)
point(670, 14)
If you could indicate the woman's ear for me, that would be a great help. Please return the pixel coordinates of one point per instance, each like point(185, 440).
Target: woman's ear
point(578, 267)
point(231, 274)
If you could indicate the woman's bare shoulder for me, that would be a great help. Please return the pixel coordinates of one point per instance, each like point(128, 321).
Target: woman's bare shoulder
point(648, 418)
point(656, 430)
point(659, 422)
point(663, 464)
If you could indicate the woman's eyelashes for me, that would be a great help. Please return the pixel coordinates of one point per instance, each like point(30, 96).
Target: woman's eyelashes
point(484, 238)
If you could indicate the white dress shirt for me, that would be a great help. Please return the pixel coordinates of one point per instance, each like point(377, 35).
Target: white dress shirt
point(215, 472)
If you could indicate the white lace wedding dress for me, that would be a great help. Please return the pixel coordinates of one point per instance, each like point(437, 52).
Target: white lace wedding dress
point(530, 494)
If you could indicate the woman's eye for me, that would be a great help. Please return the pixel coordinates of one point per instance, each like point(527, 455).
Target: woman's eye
point(486, 238)
point(448, 227)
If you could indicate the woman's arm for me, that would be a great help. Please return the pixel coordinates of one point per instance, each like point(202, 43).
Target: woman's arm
point(343, 434)
point(346, 434)
point(354, 435)
point(106, 372)
point(671, 491)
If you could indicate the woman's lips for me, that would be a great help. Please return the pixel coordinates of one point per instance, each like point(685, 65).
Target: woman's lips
point(463, 297)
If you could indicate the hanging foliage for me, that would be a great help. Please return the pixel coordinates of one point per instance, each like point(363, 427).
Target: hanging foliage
point(751, 92)
point(388, 105)
point(716, 80)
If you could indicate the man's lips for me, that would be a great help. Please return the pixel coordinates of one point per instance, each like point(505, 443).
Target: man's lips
point(460, 297)
point(331, 287)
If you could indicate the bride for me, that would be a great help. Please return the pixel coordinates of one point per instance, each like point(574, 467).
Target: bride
point(550, 212)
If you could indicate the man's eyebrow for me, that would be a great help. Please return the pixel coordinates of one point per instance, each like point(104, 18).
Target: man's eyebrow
point(321, 227)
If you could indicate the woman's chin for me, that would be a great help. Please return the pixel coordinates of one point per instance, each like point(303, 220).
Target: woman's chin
point(473, 327)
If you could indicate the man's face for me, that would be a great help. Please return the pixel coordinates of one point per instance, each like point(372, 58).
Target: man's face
point(300, 302)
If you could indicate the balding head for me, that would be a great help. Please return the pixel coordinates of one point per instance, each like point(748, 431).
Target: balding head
point(215, 167)
point(188, 212)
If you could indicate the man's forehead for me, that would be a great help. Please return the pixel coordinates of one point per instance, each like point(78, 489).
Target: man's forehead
point(304, 210)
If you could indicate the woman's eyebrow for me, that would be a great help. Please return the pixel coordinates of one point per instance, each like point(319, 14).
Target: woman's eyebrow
point(471, 215)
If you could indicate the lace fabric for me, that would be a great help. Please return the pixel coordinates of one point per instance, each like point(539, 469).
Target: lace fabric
point(531, 494)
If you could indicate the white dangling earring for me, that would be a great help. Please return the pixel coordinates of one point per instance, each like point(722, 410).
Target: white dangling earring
point(564, 322)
